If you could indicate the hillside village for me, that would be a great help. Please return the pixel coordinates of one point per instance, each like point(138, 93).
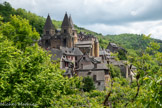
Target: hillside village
point(80, 53)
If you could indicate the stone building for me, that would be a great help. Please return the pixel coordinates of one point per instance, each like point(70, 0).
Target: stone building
point(96, 69)
point(68, 37)
point(78, 53)
point(112, 47)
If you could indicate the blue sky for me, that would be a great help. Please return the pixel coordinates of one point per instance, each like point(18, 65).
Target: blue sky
point(102, 16)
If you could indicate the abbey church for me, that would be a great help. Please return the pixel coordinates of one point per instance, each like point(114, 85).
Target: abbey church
point(67, 37)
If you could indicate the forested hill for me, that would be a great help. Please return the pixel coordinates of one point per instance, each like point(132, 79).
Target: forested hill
point(132, 41)
point(128, 41)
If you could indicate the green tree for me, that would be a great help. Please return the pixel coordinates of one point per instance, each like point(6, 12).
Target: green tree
point(27, 75)
point(114, 71)
point(88, 84)
point(20, 32)
point(122, 55)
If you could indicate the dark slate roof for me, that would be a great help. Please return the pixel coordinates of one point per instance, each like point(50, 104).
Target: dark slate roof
point(103, 52)
point(48, 24)
point(84, 43)
point(56, 53)
point(118, 63)
point(68, 72)
point(95, 60)
point(77, 51)
point(99, 66)
point(71, 51)
point(71, 22)
point(66, 21)
point(113, 44)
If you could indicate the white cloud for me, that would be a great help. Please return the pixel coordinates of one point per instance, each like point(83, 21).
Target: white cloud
point(105, 16)
point(147, 27)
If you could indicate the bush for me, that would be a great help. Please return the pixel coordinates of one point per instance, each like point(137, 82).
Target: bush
point(88, 84)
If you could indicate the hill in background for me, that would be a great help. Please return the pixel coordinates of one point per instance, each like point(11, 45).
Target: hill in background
point(128, 41)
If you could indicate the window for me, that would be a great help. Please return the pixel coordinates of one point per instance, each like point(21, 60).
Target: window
point(84, 58)
point(75, 58)
point(106, 73)
point(47, 32)
point(65, 30)
point(89, 73)
point(94, 77)
point(99, 83)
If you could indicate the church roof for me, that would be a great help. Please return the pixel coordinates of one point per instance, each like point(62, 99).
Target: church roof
point(66, 21)
point(48, 24)
point(71, 22)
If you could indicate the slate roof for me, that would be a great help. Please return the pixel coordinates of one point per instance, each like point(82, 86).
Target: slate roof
point(56, 53)
point(103, 52)
point(71, 22)
point(95, 60)
point(84, 46)
point(91, 66)
point(71, 51)
point(117, 63)
point(48, 24)
point(68, 72)
point(66, 22)
point(84, 42)
point(113, 44)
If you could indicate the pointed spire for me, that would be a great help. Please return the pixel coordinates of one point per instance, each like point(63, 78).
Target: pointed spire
point(65, 21)
point(48, 24)
point(71, 22)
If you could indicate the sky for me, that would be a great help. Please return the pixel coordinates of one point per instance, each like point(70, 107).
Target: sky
point(102, 16)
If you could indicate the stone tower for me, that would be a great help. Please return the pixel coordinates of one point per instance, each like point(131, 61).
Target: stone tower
point(69, 34)
point(74, 32)
point(66, 27)
point(48, 32)
point(49, 28)
point(96, 43)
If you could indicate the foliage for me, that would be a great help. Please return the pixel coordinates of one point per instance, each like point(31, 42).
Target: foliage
point(114, 71)
point(6, 11)
point(122, 55)
point(28, 75)
point(132, 41)
point(88, 84)
point(20, 32)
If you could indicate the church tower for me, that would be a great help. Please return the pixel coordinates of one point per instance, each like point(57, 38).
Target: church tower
point(68, 32)
point(48, 32)
point(49, 29)
point(66, 27)
point(74, 32)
